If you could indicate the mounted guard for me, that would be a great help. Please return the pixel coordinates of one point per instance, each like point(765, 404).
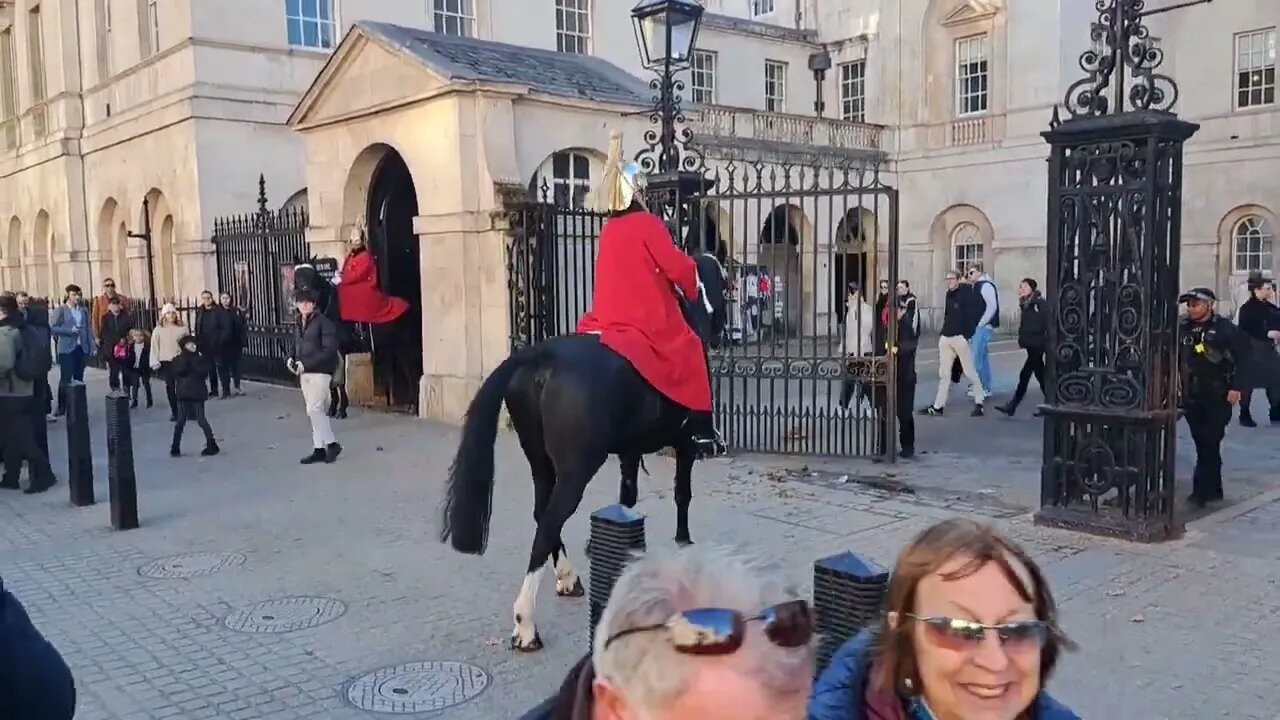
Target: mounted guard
point(636, 311)
point(360, 297)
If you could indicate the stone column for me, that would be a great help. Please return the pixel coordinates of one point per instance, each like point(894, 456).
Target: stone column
point(465, 323)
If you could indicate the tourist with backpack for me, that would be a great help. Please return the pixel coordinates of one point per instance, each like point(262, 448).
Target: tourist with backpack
point(23, 362)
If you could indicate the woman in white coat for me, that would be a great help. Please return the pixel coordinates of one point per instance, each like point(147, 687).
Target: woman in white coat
point(859, 326)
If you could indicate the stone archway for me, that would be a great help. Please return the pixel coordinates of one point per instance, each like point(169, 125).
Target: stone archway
point(380, 189)
point(13, 255)
point(39, 271)
point(853, 257)
point(115, 246)
point(780, 253)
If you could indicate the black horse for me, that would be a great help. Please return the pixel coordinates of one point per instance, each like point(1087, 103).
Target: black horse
point(307, 278)
point(573, 403)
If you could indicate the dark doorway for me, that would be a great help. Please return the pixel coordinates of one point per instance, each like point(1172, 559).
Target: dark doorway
point(846, 268)
point(704, 236)
point(397, 357)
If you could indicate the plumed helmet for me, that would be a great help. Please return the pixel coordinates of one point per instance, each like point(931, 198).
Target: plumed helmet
point(623, 182)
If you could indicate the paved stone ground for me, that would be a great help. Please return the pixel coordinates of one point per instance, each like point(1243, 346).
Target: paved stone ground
point(1184, 630)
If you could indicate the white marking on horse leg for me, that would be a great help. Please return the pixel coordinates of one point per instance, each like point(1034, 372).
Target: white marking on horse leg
point(525, 633)
point(566, 577)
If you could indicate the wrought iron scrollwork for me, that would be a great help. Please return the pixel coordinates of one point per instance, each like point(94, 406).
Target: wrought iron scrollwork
point(669, 143)
point(1122, 65)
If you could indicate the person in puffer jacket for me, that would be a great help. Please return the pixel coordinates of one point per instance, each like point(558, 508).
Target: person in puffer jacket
point(35, 682)
point(969, 631)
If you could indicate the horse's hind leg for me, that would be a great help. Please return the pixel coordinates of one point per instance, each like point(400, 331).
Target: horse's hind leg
point(565, 498)
point(629, 492)
point(544, 480)
point(684, 494)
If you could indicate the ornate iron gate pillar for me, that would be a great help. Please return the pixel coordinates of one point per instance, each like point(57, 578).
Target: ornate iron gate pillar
point(1114, 246)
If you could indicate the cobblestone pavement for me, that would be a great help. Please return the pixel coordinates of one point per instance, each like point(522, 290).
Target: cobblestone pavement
point(349, 554)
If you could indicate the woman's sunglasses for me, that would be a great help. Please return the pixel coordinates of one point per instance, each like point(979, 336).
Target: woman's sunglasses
point(720, 631)
point(958, 634)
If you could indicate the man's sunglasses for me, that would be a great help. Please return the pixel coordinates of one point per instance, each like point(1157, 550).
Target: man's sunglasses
point(958, 634)
point(720, 631)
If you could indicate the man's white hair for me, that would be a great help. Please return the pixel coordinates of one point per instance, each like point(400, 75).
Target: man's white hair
point(647, 670)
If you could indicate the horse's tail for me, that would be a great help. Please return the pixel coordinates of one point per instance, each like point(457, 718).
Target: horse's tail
point(468, 504)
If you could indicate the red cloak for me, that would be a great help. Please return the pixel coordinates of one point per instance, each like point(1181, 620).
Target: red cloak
point(359, 298)
point(635, 311)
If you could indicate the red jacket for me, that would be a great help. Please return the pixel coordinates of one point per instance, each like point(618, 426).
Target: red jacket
point(635, 311)
point(359, 298)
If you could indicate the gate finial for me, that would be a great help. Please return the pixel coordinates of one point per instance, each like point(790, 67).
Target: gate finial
point(262, 194)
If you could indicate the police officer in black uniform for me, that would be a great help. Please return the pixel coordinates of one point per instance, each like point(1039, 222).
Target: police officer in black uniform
point(1210, 349)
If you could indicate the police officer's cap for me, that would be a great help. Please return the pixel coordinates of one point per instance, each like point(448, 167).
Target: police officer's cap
point(1200, 293)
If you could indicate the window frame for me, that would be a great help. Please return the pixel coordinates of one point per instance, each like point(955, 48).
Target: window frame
point(975, 241)
point(853, 107)
point(153, 25)
point(1260, 232)
point(322, 43)
point(580, 39)
point(697, 69)
point(9, 103)
point(464, 17)
point(775, 103)
point(958, 78)
point(36, 64)
point(760, 8)
point(108, 68)
point(570, 191)
point(1269, 38)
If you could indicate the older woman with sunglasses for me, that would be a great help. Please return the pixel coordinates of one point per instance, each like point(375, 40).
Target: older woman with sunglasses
point(694, 635)
point(969, 633)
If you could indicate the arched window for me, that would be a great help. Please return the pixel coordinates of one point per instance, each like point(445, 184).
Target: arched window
point(1251, 245)
point(966, 246)
point(566, 178)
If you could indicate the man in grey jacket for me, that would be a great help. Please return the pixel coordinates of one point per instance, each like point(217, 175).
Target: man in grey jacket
point(16, 397)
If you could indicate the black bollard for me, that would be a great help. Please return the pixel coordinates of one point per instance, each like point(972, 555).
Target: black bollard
point(79, 451)
point(121, 480)
point(617, 533)
point(848, 590)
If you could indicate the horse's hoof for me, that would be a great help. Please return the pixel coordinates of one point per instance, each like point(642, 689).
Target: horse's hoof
point(576, 591)
point(684, 541)
point(533, 646)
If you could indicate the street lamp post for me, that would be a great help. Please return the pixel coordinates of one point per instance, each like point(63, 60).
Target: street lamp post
point(145, 237)
point(666, 34)
point(1114, 236)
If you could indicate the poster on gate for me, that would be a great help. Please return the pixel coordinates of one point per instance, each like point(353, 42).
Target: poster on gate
point(240, 285)
point(286, 291)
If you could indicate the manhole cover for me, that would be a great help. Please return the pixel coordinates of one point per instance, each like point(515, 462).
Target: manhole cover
point(190, 565)
point(285, 615)
point(417, 687)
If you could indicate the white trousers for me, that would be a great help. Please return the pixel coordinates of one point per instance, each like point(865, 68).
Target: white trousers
point(315, 394)
point(950, 348)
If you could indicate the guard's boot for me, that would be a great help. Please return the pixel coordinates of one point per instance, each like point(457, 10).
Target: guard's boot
point(343, 401)
point(706, 439)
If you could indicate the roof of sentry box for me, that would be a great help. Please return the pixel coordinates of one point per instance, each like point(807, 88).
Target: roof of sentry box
point(581, 77)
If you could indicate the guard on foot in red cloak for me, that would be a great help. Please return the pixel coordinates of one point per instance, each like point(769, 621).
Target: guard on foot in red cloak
point(635, 310)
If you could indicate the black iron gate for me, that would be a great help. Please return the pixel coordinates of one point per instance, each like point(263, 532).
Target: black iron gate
point(795, 372)
point(255, 255)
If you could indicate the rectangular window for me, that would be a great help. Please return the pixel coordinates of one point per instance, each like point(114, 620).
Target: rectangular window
point(570, 179)
point(8, 76)
point(1256, 68)
point(853, 91)
point(573, 26)
point(106, 60)
point(971, 75)
point(35, 55)
point(775, 86)
point(702, 80)
point(153, 25)
point(310, 23)
point(761, 7)
point(455, 17)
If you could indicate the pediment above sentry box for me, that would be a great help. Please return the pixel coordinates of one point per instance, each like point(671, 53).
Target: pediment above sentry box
point(970, 11)
point(362, 78)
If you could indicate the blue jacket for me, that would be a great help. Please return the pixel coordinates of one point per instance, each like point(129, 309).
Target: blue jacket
point(62, 323)
point(838, 694)
point(35, 683)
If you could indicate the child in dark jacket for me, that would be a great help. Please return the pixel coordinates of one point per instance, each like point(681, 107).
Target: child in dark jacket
point(137, 365)
point(190, 371)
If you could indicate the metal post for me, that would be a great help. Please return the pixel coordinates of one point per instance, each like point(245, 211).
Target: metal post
point(145, 237)
point(617, 533)
point(79, 450)
point(848, 590)
point(1114, 252)
point(121, 479)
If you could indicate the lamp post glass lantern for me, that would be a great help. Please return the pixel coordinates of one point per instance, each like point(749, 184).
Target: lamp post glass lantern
point(666, 31)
